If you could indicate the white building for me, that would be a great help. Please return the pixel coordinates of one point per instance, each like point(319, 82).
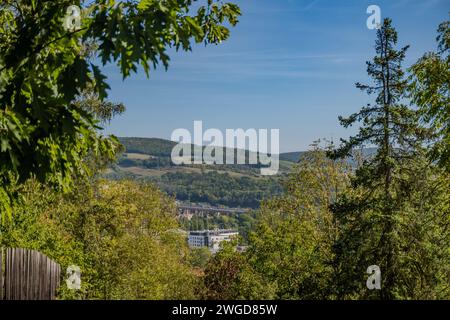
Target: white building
point(210, 238)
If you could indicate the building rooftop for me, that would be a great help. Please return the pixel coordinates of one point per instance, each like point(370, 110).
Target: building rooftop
point(213, 232)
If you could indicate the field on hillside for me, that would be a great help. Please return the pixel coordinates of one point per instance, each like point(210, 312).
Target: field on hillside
point(242, 186)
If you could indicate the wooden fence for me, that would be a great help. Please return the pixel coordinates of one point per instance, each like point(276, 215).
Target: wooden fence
point(27, 275)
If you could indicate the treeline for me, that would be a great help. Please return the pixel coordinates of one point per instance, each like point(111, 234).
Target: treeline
point(161, 162)
point(150, 163)
point(151, 146)
point(217, 188)
point(305, 247)
point(162, 149)
point(237, 187)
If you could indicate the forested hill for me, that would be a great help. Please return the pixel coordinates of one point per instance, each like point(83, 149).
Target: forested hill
point(163, 148)
point(291, 156)
point(151, 146)
point(149, 159)
point(242, 186)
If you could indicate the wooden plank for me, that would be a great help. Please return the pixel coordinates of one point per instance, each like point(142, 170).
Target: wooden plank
point(58, 277)
point(12, 281)
point(6, 274)
point(47, 279)
point(28, 295)
point(1, 274)
point(21, 274)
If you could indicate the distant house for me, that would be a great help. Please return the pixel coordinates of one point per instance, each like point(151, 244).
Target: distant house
point(210, 238)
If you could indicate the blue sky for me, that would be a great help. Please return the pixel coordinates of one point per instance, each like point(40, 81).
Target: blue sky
point(289, 65)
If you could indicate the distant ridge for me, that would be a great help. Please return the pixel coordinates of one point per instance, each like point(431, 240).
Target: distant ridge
point(163, 148)
point(291, 156)
point(151, 146)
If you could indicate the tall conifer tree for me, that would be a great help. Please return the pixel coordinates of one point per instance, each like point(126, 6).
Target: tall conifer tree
point(373, 216)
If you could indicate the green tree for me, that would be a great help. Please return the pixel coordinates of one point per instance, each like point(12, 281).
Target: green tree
point(376, 215)
point(44, 133)
point(292, 246)
point(199, 257)
point(290, 249)
point(430, 91)
point(229, 276)
point(130, 240)
point(419, 239)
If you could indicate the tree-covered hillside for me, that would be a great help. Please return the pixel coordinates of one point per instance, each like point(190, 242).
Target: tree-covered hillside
point(148, 159)
point(152, 146)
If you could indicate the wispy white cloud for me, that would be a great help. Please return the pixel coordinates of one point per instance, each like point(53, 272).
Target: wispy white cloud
point(263, 65)
point(305, 5)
